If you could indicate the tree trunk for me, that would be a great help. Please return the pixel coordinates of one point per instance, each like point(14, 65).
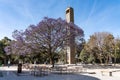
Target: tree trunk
point(100, 59)
point(114, 60)
point(107, 60)
point(51, 57)
point(52, 62)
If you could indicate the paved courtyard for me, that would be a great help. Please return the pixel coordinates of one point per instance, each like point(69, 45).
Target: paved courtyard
point(10, 74)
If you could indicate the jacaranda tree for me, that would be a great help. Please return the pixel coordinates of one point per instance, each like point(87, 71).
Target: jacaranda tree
point(48, 37)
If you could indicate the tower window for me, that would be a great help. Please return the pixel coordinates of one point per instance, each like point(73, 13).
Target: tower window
point(67, 11)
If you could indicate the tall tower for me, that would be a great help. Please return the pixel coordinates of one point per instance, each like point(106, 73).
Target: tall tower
point(70, 14)
point(71, 42)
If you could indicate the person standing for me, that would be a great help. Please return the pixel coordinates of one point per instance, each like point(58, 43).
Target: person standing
point(8, 63)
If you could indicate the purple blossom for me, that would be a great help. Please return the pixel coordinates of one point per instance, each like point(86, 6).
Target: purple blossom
point(49, 35)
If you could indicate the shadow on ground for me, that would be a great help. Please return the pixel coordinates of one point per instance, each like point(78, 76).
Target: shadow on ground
point(12, 75)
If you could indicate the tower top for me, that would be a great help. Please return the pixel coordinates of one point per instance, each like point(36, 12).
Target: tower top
point(70, 14)
point(69, 8)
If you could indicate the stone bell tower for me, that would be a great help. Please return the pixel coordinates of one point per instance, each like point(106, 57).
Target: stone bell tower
point(70, 14)
point(70, 43)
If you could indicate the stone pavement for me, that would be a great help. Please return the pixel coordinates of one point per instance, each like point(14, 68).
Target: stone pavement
point(10, 74)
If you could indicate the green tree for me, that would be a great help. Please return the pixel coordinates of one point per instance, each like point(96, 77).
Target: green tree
point(116, 50)
point(3, 43)
point(100, 46)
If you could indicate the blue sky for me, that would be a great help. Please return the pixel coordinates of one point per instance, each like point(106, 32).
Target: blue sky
point(91, 15)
